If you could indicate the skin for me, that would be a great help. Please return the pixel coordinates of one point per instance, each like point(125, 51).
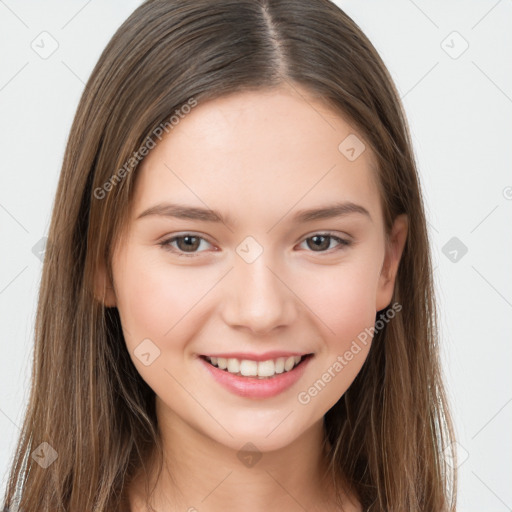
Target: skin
point(256, 157)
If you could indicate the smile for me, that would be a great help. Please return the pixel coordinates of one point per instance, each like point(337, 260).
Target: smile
point(251, 368)
point(257, 379)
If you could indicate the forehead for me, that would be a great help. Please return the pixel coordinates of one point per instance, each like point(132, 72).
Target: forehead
point(262, 152)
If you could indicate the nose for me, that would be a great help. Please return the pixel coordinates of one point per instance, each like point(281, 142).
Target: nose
point(257, 297)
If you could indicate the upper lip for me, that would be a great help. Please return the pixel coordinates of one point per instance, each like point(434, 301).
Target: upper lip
point(257, 357)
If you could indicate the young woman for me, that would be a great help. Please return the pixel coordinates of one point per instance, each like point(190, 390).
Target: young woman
point(237, 309)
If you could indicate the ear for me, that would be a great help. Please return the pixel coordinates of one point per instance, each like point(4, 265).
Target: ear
point(394, 249)
point(103, 289)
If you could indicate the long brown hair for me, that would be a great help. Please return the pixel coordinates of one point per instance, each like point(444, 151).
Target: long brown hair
point(387, 433)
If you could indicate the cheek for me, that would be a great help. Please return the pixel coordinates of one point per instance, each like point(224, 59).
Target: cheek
point(347, 314)
point(343, 302)
point(154, 298)
point(156, 302)
point(342, 297)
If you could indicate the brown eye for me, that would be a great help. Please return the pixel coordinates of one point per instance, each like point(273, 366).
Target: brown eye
point(189, 243)
point(186, 245)
point(319, 242)
point(322, 242)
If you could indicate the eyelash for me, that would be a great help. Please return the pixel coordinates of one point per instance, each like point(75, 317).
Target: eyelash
point(165, 244)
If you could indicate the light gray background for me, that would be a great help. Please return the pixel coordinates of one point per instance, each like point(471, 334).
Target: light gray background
point(460, 112)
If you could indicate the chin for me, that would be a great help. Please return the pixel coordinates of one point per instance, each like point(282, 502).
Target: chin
point(273, 433)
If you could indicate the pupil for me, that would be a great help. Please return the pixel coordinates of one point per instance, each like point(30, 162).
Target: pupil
point(187, 243)
point(319, 244)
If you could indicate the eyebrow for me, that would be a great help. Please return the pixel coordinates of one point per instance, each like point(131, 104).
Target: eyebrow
point(179, 211)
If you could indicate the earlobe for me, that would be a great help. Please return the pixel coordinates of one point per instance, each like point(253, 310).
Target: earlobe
point(103, 290)
point(394, 250)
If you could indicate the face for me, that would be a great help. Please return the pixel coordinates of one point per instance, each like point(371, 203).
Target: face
point(253, 282)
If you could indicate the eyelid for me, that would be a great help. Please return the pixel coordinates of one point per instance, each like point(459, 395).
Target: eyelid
point(334, 234)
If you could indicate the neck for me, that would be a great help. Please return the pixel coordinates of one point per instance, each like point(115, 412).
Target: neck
point(200, 474)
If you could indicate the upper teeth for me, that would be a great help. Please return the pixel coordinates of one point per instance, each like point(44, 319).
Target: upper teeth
point(249, 368)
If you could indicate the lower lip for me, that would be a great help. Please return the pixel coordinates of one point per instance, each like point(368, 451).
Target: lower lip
point(252, 387)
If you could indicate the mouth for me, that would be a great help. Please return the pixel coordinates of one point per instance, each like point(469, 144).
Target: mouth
point(261, 369)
